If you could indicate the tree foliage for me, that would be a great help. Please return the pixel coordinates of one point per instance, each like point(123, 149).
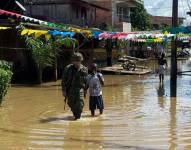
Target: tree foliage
point(140, 19)
point(5, 78)
point(42, 51)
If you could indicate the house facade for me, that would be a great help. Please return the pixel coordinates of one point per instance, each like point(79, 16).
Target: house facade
point(119, 14)
point(92, 13)
point(76, 12)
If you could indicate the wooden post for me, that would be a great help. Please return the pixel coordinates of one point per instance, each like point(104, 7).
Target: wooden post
point(173, 81)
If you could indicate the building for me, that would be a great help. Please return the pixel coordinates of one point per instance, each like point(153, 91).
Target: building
point(10, 6)
point(77, 12)
point(93, 13)
point(119, 14)
point(159, 22)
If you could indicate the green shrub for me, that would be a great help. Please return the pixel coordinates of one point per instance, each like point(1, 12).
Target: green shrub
point(5, 78)
point(5, 65)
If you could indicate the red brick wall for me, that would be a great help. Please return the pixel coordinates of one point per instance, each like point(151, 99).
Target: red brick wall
point(103, 16)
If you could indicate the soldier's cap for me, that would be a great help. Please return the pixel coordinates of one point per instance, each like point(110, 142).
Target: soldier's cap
point(77, 57)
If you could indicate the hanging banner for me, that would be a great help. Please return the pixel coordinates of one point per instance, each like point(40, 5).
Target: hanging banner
point(37, 33)
point(8, 13)
point(105, 35)
point(33, 20)
point(95, 34)
point(5, 28)
point(62, 34)
point(86, 32)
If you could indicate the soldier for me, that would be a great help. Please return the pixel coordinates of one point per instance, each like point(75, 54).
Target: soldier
point(74, 83)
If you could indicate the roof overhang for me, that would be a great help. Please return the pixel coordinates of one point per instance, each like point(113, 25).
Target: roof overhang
point(49, 2)
point(129, 3)
point(92, 4)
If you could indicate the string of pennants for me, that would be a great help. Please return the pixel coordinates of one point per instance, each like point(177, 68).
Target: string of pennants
point(67, 31)
point(134, 37)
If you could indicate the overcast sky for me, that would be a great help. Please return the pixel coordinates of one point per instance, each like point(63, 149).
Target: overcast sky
point(164, 8)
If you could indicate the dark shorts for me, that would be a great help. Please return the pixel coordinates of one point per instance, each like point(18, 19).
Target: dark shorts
point(96, 102)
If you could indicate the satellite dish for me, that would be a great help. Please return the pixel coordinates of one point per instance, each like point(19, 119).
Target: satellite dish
point(20, 6)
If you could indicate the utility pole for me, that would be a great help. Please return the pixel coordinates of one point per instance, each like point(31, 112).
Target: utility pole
point(114, 11)
point(173, 81)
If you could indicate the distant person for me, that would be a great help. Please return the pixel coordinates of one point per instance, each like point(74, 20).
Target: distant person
point(161, 50)
point(74, 83)
point(162, 62)
point(95, 81)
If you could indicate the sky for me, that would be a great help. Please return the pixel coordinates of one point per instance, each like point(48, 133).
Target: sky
point(164, 8)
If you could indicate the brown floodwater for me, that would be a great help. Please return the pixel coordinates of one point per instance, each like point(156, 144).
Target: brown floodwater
point(138, 115)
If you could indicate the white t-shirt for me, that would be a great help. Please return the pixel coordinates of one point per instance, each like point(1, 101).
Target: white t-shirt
point(94, 84)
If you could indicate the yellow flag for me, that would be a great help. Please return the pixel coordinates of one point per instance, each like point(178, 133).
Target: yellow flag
point(4, 28)
point(25, 31)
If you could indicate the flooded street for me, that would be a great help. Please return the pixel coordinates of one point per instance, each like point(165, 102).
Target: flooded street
point(138, 115)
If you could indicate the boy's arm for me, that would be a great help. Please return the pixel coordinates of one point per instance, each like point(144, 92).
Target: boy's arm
point(101, 79)
point(86, 86)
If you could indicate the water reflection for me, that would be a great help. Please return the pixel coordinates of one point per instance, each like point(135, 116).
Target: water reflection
point(161, 95)
point(173, 124)
point(161, 90)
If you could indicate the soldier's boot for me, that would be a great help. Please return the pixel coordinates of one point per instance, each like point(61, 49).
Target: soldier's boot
point(77, 115)
point(93, 113)
point(101, 111)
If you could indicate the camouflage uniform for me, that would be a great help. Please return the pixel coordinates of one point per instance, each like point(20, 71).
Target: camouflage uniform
point(73, 84)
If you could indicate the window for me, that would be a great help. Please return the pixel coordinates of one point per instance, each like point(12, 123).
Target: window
point(123, 13)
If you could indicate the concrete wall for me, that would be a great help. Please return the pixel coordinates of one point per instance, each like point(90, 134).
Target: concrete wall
point(123, 27)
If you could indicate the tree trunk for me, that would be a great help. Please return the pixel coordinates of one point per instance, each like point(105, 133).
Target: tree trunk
point(109, 58)
point(55, 70)
point(1, 99)
point(39, 75)
point(109, 47)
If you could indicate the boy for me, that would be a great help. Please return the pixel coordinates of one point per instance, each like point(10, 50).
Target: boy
point(94, 82)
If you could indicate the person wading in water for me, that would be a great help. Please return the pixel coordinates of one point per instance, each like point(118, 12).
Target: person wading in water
point(162, 62)
point(94, 82)
point(73, 85)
